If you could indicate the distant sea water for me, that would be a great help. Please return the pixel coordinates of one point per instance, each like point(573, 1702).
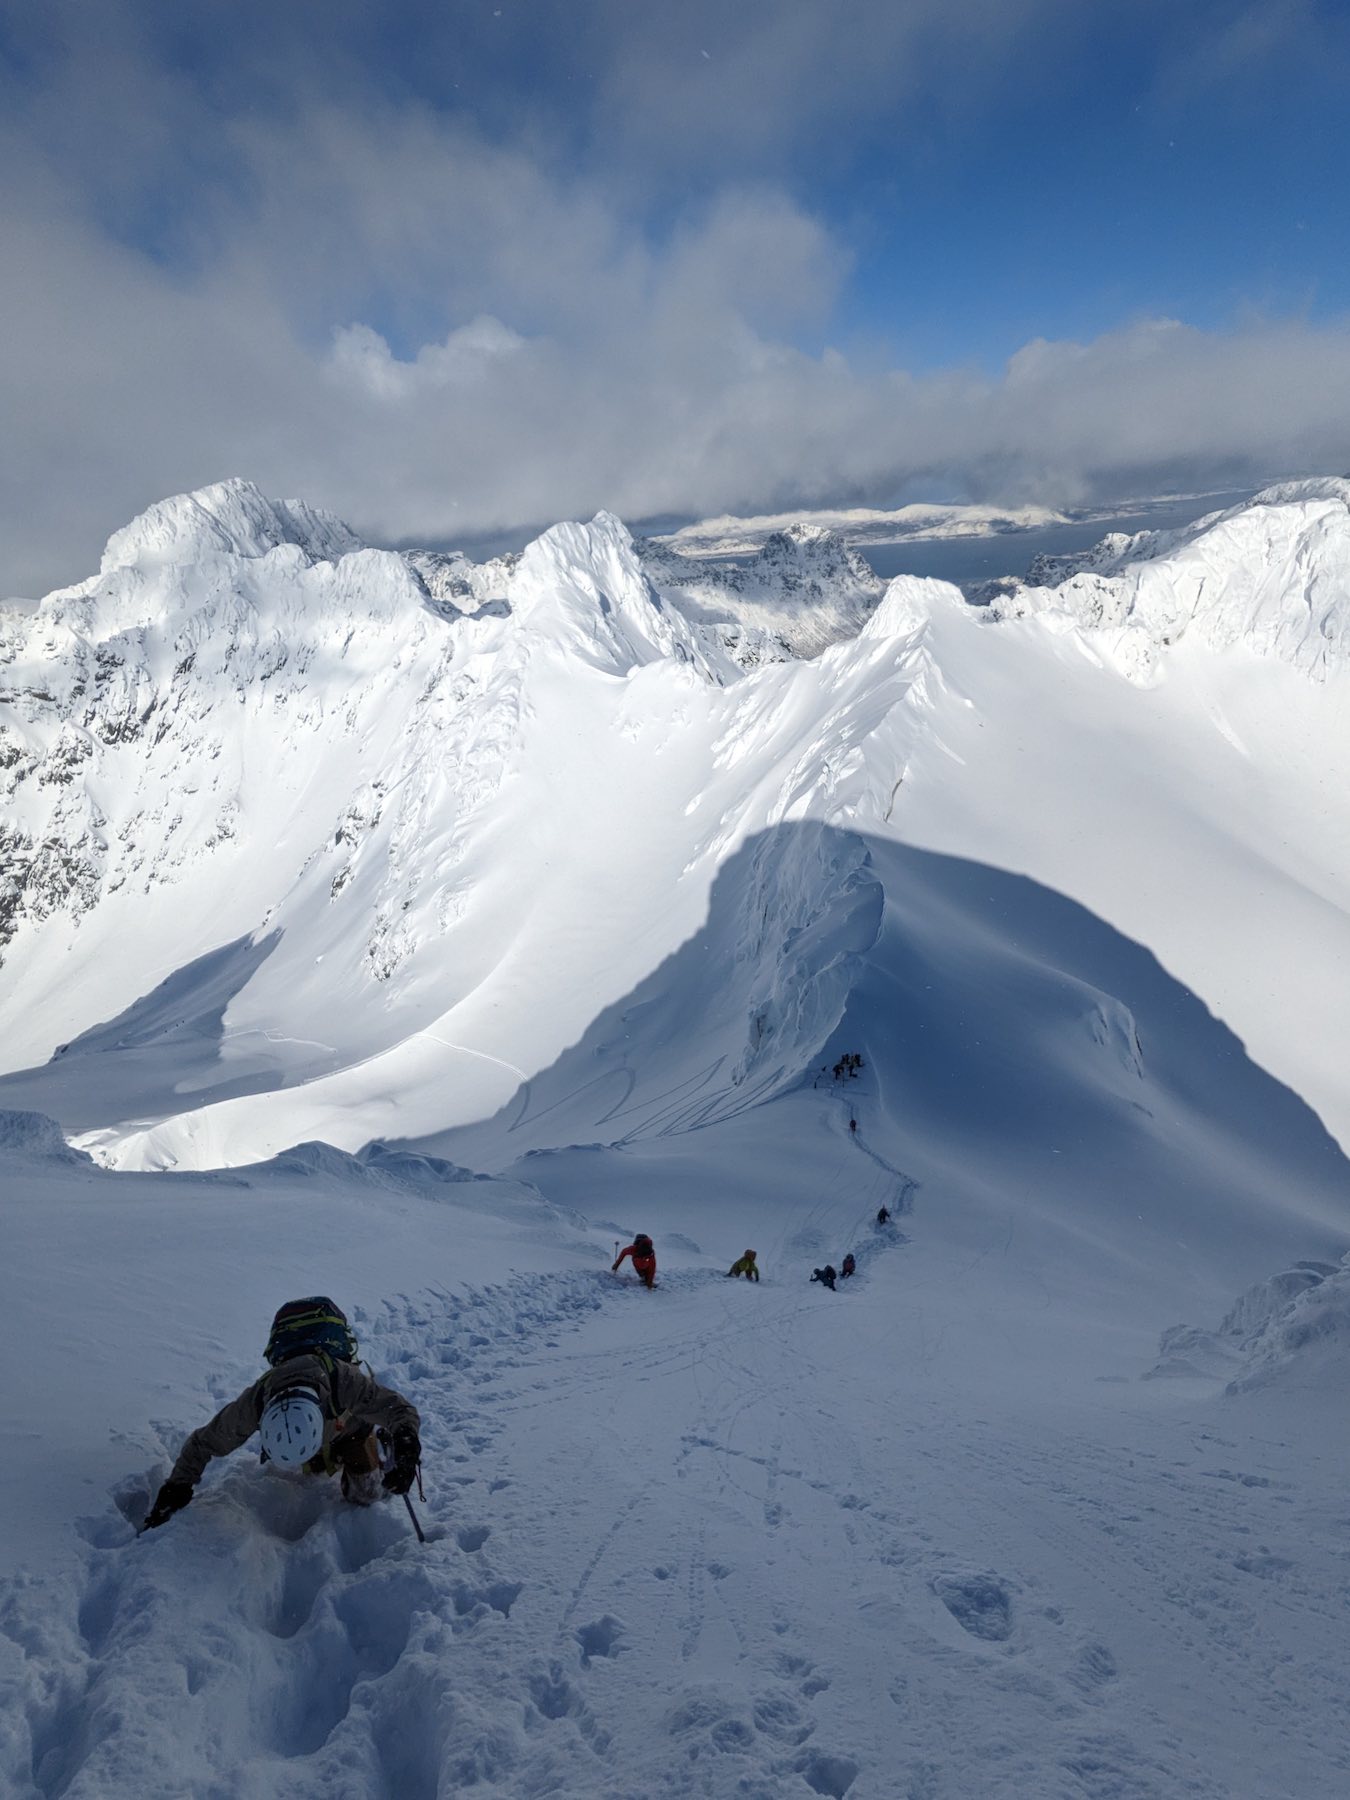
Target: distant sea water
point(967, 561)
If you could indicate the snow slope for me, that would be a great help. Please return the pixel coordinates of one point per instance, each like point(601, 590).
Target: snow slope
point(534, 917)
point(927, 1535)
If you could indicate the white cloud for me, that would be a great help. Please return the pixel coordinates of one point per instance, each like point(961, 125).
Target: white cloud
point(465, 360)
point(439, 331)
point(662, 385)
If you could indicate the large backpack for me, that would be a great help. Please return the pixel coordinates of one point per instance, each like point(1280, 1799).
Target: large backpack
point(315, 1325)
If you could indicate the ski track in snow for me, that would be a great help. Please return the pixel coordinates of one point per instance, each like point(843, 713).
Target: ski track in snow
point(541, 1645)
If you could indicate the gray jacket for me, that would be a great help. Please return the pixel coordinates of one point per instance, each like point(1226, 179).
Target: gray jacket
point(347, 1395)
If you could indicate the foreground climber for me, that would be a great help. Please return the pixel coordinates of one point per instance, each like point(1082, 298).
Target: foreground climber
point(316, 1412)
point(745, 1265)
point(644, 1259)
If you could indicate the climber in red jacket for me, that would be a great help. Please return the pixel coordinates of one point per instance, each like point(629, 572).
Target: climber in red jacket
point(644, 1259)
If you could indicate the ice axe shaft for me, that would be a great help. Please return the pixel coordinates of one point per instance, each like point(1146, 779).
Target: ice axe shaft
point(421, 1535)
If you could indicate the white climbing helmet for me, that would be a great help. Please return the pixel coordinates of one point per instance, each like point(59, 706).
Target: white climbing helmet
point(292, 1427)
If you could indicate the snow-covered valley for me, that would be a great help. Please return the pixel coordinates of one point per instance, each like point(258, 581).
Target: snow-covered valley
point(381, 925)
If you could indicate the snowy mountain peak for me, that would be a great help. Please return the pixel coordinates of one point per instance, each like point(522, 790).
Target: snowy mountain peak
point(803, 590)
point(1271, 576)
point(231, 518)
point(586, 586)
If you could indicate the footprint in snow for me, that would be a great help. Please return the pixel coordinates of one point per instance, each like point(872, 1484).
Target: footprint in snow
point(602, 1637)
point(472, 1604)
point(827, 1774)
point(980, 1604)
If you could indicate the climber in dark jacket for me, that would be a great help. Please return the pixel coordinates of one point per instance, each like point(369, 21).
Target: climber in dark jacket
point(317, 1412)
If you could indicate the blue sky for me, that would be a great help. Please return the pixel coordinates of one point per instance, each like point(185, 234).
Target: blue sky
point(460, 268)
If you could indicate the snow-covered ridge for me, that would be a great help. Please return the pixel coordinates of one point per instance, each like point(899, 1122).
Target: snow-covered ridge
point(233, 646)
point(1271, 576)
point(321, 776)
point(319, 817)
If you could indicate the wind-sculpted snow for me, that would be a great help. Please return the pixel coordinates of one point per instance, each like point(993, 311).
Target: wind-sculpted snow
point(34, 1135)
point(1292, 1330)
point(1271, 577)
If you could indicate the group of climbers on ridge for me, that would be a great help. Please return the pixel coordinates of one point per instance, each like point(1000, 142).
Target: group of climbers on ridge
point(643, 1253)
point(829, 1274)
point(317, 1413)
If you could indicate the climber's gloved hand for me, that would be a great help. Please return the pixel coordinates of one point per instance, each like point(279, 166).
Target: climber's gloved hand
point(407, 1449)
point(171, 1498)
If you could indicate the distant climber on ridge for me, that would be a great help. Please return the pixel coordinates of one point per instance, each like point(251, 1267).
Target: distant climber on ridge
point(644, 1259)
point(745, 1265)
point(825, 1276)
point(883, 1216)
point(317, 1414)
point(847, 1267)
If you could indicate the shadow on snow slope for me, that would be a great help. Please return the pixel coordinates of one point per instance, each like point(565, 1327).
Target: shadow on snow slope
point(149, 1058)
point(1015, 1045)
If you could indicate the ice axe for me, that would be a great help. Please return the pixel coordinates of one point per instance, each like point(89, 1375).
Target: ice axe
point(384, 1448)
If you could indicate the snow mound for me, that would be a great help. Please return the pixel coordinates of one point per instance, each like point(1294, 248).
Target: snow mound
point(378, 1165)
point(1308, 1319)
point(34, 1135)
point(1270, 1332)
point(231, 518)
point(1271, 576)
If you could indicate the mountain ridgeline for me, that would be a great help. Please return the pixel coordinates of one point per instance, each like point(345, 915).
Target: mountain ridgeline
point(322, 841)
